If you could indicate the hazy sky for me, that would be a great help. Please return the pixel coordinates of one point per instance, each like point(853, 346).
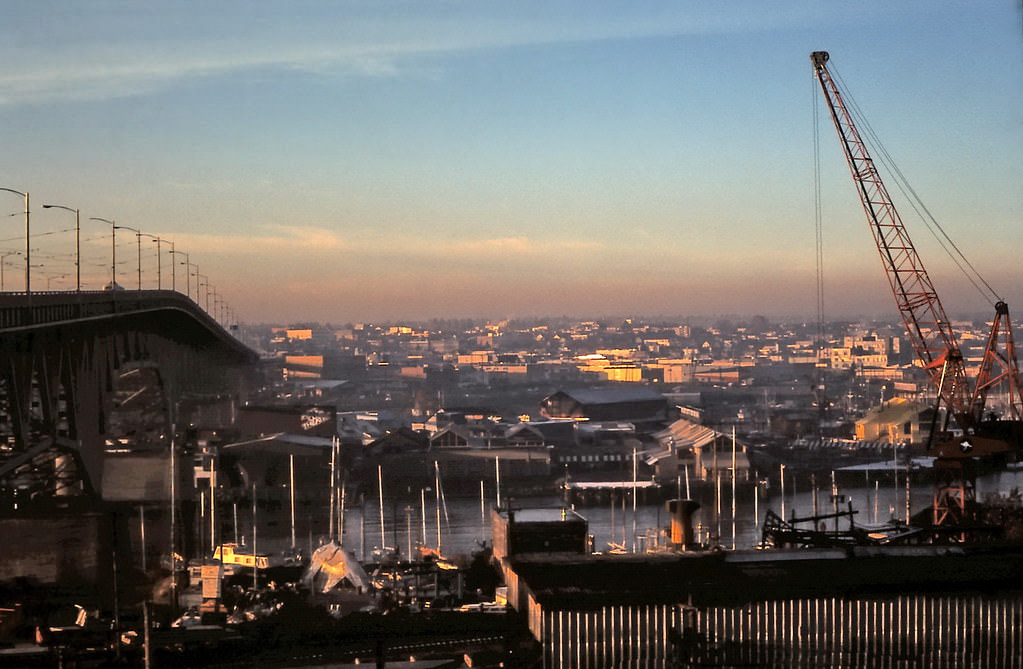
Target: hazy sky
point(376, 160)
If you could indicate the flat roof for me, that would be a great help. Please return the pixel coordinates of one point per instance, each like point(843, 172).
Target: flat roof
point(544, 515)
point(587, 582)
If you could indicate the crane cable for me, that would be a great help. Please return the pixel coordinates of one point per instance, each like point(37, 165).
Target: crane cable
point(819, 242)
point(902, 183)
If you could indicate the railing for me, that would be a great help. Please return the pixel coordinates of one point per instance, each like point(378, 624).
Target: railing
point(18, 310)
point(21, 312)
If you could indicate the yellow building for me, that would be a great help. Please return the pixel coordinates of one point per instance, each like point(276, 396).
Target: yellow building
point(631, 373)
point(477, 358)
point(676, 370)
point(896, 421)
point(303, 366)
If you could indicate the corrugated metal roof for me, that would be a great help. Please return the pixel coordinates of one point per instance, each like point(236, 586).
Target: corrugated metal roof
point(283, 442)
point(614, 395)
point(687, 434)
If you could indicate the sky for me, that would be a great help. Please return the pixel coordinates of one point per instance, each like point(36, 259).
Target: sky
point(373, 160)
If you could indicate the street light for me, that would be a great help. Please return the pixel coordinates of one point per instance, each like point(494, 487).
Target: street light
point(28, 250)
point(3, 262)
point(78, 242)
point(159, 256)
point(186, 263)
point(205, 283)
point(113, 250)
point(53, 277)
point(138, 242)
point(196, 275)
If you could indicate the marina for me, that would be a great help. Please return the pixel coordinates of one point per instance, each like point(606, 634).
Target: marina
point(403, 462)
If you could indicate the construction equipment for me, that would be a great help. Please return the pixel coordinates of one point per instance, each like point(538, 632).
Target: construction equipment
point(983, 435)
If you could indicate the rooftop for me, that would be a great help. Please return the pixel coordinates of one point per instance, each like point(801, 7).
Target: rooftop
point(544, 515)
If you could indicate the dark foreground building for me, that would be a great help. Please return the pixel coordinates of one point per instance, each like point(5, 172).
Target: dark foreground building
point(947, 606)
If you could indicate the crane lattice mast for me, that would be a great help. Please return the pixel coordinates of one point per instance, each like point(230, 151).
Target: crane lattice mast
point(931, 336)
point(930, 332)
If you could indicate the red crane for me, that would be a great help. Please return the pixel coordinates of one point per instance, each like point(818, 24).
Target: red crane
point(931, 334)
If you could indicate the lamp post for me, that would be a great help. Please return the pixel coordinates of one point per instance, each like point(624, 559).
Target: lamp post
point(78, 242)
point(205, 283)
point(159, 255)
point(138, 243)
point(188, 279)
point(3, 262)
point(28, 250)
point(113, 251)
point(173, 251)
point(196, 275)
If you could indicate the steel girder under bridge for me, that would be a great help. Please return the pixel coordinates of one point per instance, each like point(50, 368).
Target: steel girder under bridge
point(61, 358)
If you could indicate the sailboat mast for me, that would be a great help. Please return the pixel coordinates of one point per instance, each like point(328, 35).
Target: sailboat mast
point(380, 491)
point(483, 511)
point(436, 476)
point(614, 527)
point(291, 488)
point(255, 560)
point(635, 472)
point(497, 474)
point(341, 510)
point(422, 514)
point(173, 515)
point(213, 487)
point(333, 487)
point(733, 487)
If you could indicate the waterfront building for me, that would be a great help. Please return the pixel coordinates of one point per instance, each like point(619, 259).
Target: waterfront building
point(948, 605)
point(632, 403)
point(896, 421)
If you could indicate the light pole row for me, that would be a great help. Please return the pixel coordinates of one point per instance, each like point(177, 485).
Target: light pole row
point(219, 303)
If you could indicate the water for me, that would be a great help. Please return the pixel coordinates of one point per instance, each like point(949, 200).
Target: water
point(465, 525)
point(919, 630)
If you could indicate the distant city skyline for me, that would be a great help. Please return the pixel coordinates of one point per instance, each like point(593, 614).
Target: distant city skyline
point(378, 161)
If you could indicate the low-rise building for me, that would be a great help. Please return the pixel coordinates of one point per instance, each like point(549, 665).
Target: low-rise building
point(896, 421)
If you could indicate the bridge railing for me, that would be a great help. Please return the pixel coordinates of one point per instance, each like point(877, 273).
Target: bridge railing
point(18, 309)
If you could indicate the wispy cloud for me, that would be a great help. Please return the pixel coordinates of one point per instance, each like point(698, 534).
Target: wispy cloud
point(316, 241)
point(112, 50)
point(267, 240)
point(518, 246)
point(128, 75)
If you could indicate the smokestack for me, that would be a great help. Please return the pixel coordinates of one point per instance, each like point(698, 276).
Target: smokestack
point(682, 511)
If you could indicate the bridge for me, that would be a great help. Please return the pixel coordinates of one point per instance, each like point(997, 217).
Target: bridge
point(75, 365)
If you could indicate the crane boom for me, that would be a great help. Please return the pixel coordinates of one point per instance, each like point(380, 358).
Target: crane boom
point(930, 333)
point(929, 330)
